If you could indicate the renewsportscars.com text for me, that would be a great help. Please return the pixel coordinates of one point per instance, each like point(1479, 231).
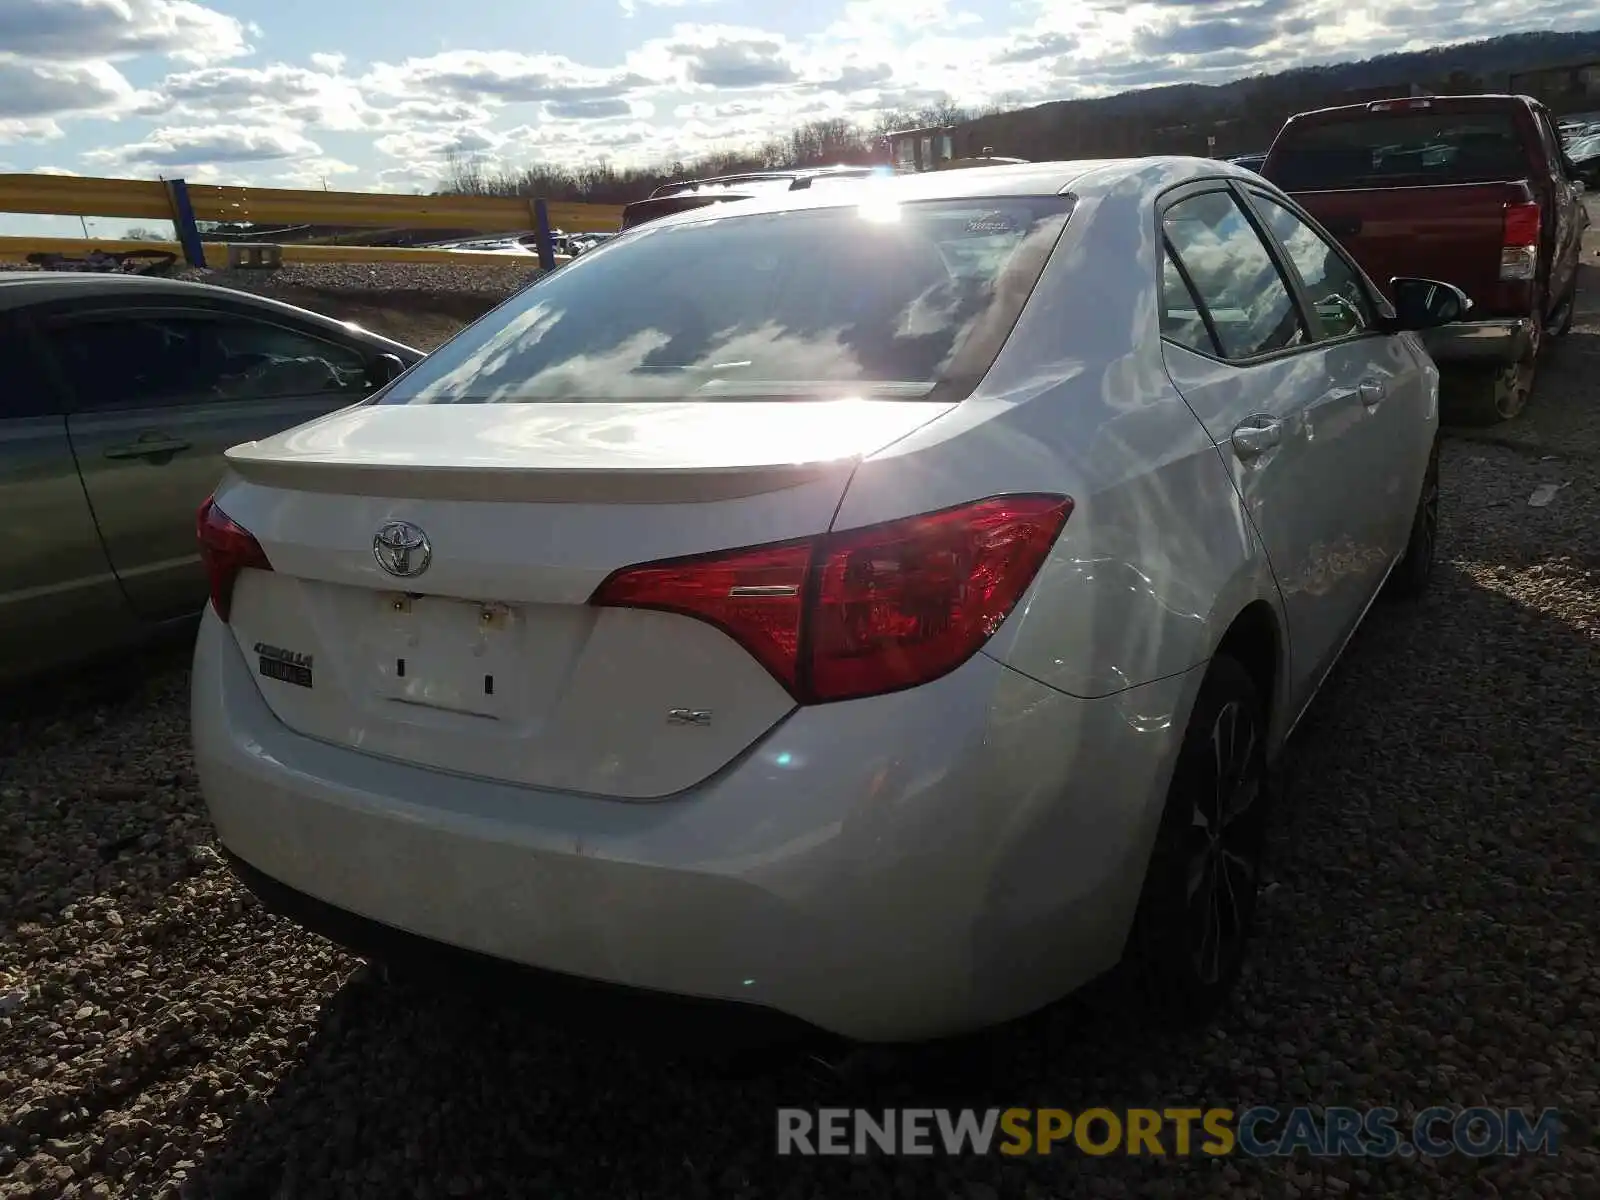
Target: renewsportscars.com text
point(1177, 1132)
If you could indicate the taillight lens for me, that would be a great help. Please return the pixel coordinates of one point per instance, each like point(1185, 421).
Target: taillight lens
point(226, 549)
point(754, 596)
point(865, 611)
point(1519, 242)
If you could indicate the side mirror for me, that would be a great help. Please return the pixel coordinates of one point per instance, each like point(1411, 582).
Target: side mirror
point(1426, 303)
point(386, 368)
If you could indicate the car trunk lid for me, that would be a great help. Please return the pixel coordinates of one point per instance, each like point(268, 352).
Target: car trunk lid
point(487, 660)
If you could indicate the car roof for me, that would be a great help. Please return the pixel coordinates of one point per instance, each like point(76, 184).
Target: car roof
point(36, 287)
point(1082, 178)
point(1400, 105)
point(20, 289)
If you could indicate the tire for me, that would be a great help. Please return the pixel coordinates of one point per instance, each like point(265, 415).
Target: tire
point(1486, 396)
point(1204, 875)
point(1414, 572)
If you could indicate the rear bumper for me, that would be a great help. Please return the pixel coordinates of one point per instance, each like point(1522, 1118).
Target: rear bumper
point(890, 869)
point(1500, 341)
point(595, 1007)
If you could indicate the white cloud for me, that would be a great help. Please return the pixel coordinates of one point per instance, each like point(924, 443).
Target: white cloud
point(722, 58)
point(277, 94)
point(433, 145)
point(500, 77)
point(28, 129)
point(39, 91)
point(630, 8)
point(76, 30)
point(207, 146)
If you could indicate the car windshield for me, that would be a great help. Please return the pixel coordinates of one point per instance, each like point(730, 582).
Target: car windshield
point(875, 299)
point(1417, 149)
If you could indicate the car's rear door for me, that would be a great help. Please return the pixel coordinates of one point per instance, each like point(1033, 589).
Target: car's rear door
point(1393, 426)
point(1239, 349)
point(58, 596)
point(157, 393)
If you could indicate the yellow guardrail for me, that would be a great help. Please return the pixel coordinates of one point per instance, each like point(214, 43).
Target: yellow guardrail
point(186, 204)
point(17, 249)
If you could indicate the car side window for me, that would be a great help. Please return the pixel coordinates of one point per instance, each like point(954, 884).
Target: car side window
point(164, 360)
point(1181, 319)
point(26, 392)
point(1234, 275)
point(1342, 305)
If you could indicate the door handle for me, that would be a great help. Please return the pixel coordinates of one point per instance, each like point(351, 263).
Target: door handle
point(1254, 436)
point(1372, 392)
point(148, 445)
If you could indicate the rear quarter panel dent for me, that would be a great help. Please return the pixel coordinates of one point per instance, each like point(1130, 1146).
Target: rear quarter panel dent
point(1079, 402)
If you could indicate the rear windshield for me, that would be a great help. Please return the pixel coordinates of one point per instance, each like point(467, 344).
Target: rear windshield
point(874, 299)
point(1398, 150)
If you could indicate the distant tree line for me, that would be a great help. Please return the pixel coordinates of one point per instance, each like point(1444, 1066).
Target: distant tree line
point(813, 144)
point(1239, 117)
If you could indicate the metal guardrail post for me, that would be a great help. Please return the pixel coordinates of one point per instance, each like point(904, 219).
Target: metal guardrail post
point(194, 253)
point(541, 233)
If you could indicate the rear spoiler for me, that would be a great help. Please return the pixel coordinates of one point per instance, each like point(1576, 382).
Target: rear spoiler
point(641, 211)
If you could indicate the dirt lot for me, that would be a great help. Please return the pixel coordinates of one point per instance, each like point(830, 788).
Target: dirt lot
point(1429, 938)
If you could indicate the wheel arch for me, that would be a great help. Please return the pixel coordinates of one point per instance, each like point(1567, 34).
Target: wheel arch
point(1255, 639)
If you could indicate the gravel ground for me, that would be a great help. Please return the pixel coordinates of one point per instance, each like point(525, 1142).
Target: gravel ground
point(1430, 939)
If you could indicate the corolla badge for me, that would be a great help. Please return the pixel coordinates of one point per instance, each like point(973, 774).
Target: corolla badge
point(402, 549)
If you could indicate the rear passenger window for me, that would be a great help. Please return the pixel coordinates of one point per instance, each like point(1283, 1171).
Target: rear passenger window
point(1332, 286)
point(154, 361)
point(25, 392)
point(1181, 321)
point(1234, 275)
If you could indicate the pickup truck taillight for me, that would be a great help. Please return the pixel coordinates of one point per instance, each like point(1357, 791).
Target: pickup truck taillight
point(1519, 244)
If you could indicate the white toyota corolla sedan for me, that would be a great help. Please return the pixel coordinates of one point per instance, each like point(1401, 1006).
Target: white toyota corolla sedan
point(882, 604)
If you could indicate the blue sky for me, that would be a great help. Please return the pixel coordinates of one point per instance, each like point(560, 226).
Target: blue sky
point(374, 94)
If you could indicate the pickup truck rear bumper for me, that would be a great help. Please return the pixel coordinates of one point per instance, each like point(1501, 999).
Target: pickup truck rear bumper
point(1500, 341)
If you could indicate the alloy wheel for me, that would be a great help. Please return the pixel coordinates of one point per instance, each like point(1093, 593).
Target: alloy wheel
point(1430, 507)
point(1225, 843)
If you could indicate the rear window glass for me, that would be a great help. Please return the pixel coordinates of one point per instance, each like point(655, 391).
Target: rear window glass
point(874, 299)
point(1398, 150)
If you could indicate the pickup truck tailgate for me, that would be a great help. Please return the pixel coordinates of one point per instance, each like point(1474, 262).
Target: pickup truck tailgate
point(1420, 186)
point(1451, 232)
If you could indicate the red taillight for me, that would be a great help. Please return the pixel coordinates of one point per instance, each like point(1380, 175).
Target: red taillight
point(754, 596)
point(1519, 243)
point(1521, 225)
point(226, 549)
point(868, 610)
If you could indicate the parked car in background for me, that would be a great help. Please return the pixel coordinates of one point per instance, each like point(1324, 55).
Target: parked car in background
point(120, 395)
point(1470, 189)
point(689, 194)
point(1584, 156)
point(879, 605)
point(1250, 162)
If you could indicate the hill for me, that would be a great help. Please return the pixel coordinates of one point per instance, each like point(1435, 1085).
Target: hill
point(1245, 114)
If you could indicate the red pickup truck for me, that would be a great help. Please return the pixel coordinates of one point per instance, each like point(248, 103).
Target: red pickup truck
point(1472, 190)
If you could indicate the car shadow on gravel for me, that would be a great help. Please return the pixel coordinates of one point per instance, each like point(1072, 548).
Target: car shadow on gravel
point(1435, 877)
